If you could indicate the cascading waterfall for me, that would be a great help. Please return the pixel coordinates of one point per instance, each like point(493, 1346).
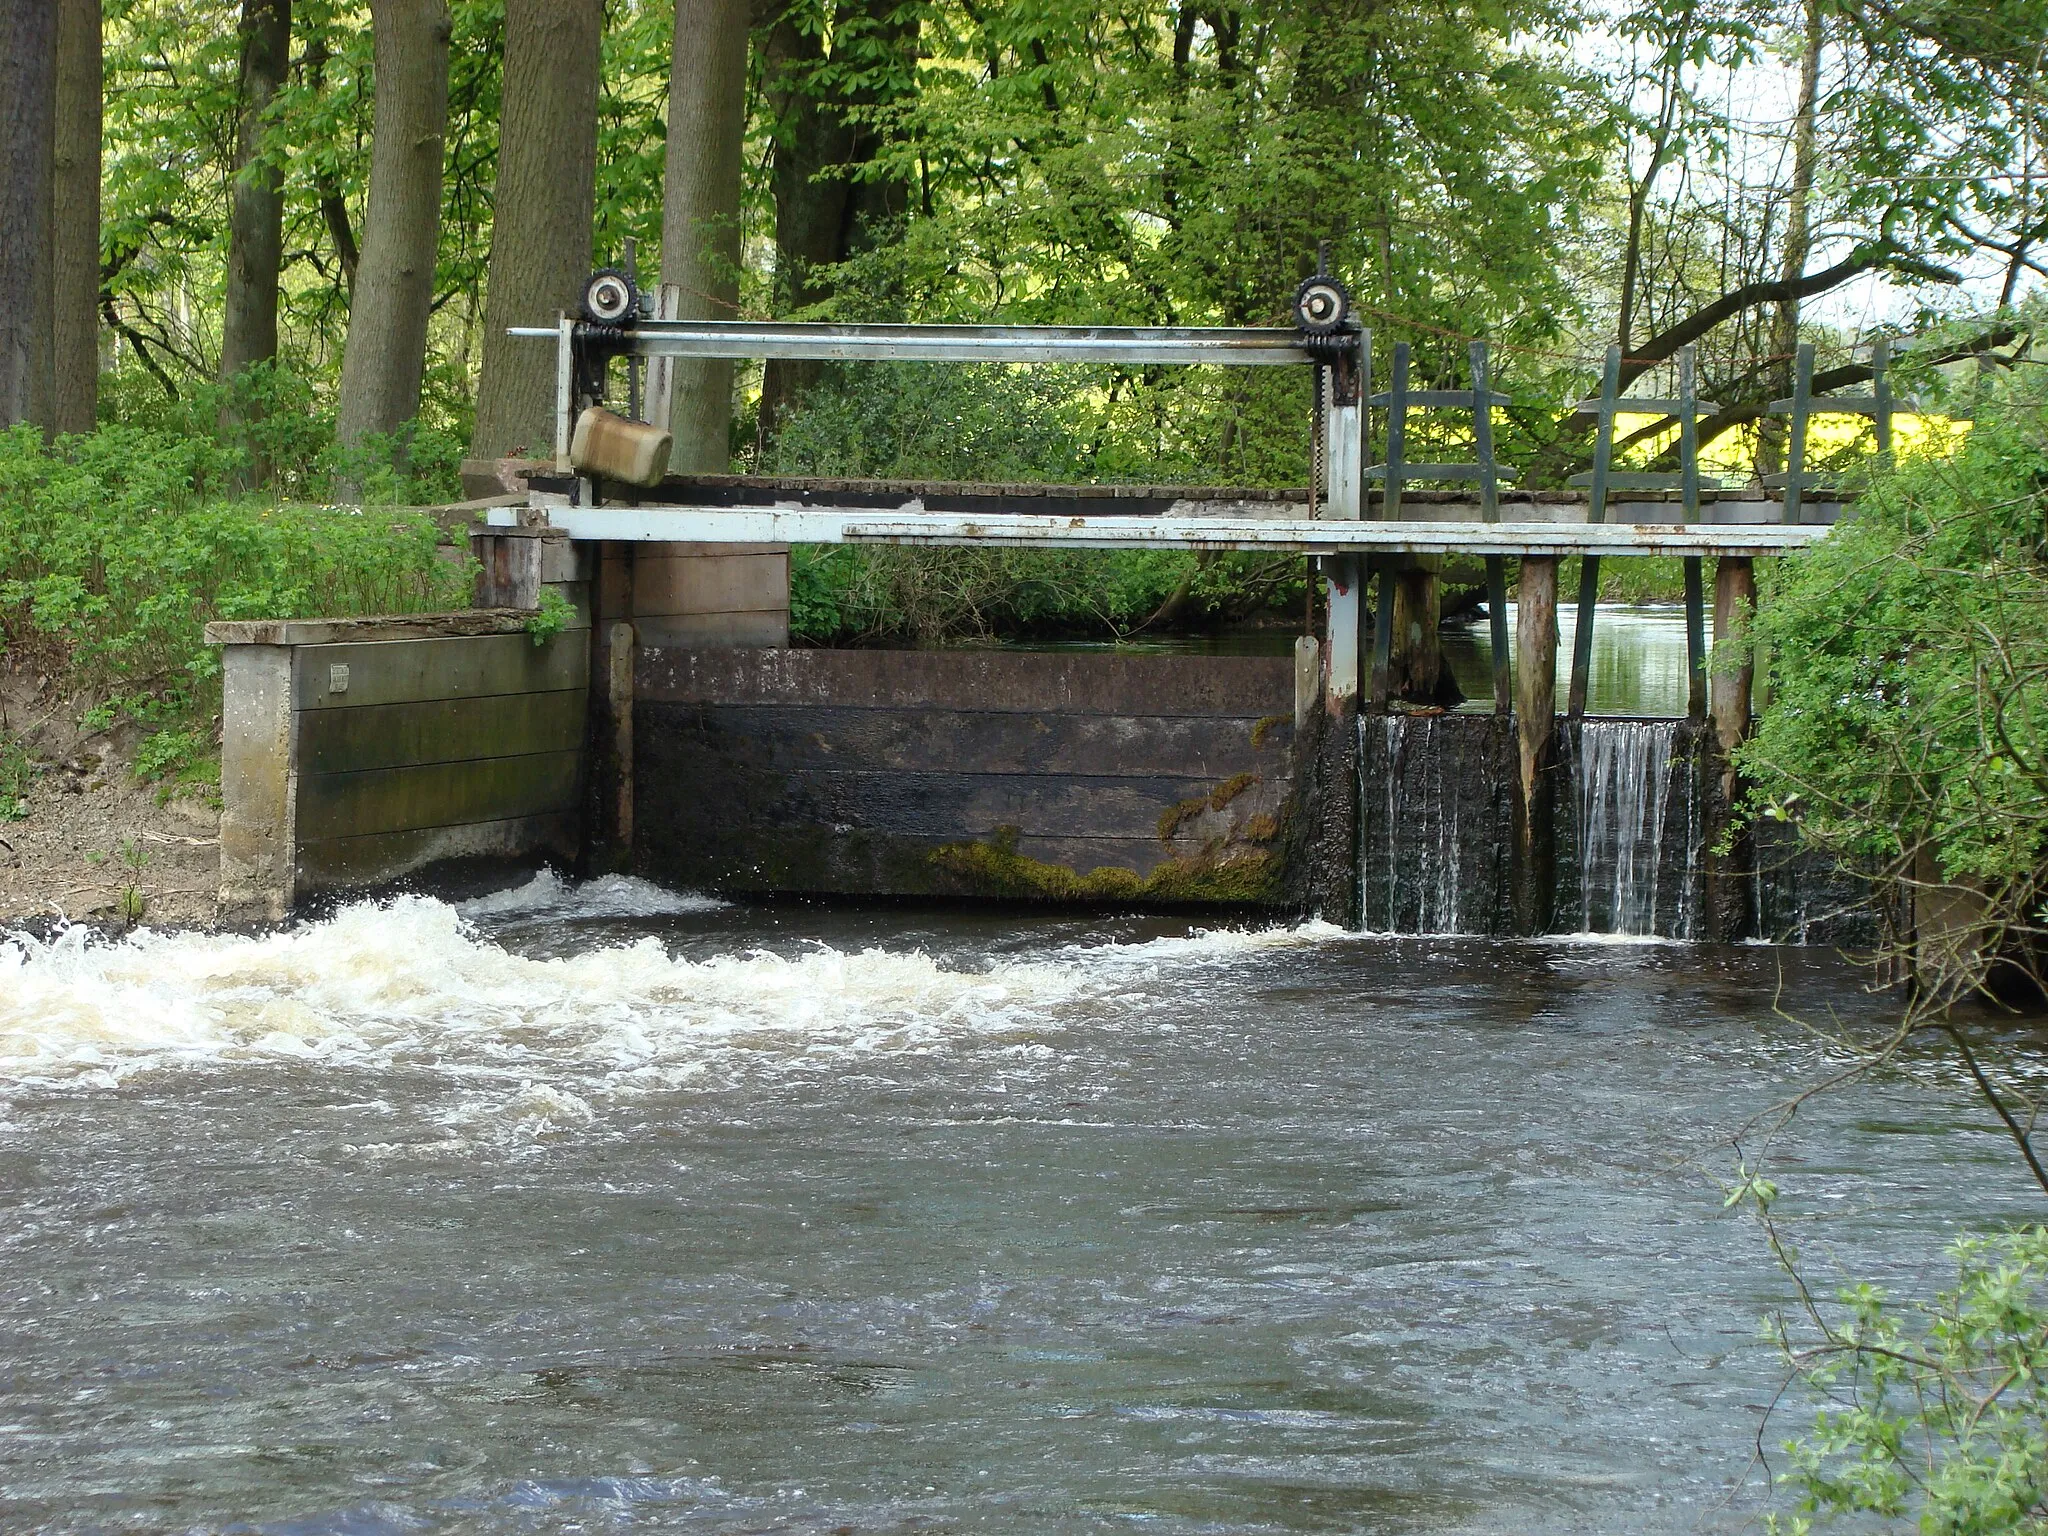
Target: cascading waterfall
point(1437, 803)
point(1621, 791)
point(1430, 826)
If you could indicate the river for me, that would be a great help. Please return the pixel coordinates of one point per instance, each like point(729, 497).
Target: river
point(604, 1209)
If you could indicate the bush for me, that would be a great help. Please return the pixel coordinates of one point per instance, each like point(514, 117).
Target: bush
point(1908, 666)
point(1937, 1410)
point(115, 549)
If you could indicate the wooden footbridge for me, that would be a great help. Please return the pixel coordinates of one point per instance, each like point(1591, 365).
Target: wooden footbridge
point(1359, 520)
point(357, 752)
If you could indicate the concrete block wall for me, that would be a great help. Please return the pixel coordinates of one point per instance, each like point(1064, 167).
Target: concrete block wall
point(356, 752)
point(695, 595)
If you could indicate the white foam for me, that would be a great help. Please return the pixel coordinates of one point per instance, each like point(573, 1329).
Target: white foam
point(548, 897)
point(410, 983)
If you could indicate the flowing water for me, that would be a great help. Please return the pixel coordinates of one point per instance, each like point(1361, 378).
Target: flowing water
point(610, 1210)
point(1625, 803)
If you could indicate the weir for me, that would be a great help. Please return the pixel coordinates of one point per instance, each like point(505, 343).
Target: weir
point(681, 738)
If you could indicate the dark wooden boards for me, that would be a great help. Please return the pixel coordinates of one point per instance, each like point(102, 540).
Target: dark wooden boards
point(989, 773)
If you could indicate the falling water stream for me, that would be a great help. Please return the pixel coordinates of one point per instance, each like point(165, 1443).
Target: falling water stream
point(1628, 850)
point(608, 1209)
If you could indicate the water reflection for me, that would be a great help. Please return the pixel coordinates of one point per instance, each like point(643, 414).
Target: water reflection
point(1638, 659)
point(1638, 655)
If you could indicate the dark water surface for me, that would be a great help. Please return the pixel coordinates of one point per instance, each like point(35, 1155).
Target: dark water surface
point(597, 1216)
point(1637, 669)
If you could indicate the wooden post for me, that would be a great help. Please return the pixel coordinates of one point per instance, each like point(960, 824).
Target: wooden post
point(1729, 859)
point(1802, 398)
point(1596, 512)
point(608, 741)
point(620, 653)
point(1536, 728)
point(1734, 665)
point(1695, 642)
point(1418, 653)
point(1383, 639)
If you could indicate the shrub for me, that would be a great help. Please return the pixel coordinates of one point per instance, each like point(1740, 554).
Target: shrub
point(1938, 1409)
point(1908, 666)
point(115, 550)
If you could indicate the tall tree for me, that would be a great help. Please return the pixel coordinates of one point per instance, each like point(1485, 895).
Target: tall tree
point(256, 193)
point(75, 219)
point(833, 196)
point(28, 111)
point(700, 225)
point(1798, 234)
point(540, 211)
point(393, 297)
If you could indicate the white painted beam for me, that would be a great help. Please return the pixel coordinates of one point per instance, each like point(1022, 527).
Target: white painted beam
point(815, 525)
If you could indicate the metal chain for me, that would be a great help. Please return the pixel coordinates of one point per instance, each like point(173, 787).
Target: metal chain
point(1318, 449)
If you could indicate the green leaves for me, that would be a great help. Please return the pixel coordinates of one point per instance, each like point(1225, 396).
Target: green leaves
point(1908, 661)
point(116, 549)
point(1936, 1409)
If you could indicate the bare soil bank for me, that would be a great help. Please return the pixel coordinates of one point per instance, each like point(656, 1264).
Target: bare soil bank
point(96, 845)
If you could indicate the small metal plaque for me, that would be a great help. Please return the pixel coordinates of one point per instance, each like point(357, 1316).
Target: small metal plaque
point(337, 678)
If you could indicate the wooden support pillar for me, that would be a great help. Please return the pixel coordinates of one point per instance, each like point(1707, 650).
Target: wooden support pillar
point(1734, 666)
point(1695, 643)
point(1535, 733)
point(1497, 619)
point(608, 802)
point(1730, 860)
point(1383, 639)
point(1582, 637)
point(1417, 653)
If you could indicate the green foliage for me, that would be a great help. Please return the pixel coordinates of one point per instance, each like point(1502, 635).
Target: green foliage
point(116, 548)
point(169, 754)
point(1934, 1410)
point(872, 592)
point(1908, 662)
point(17, 770)
point(551, 617)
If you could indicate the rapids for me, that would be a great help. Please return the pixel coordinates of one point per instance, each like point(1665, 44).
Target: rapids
point(605, 1208)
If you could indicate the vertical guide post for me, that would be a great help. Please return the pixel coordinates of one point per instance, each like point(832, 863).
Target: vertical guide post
point(1802, 400)
point(634, 362)
point(1689, 492)
point(1596, 512)
point(661, 371)
point(1881, 396)
point(1383, 639)
point(1397, 433)
point(1489, 511)
point(1535, 728)
point(1345, 453)
point(565, 386)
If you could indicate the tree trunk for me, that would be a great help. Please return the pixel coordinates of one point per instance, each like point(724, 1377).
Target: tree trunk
point(1771, 433)
point(75, 219)
point(541, 214)
point(824, 213)
point(700, 221)
point(28, 110)
point(394, 288)
point(256, 201)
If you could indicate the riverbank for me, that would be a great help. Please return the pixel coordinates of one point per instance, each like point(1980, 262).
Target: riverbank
point(81, 837)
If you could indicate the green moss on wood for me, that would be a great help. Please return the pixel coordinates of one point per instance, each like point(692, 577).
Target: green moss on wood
point(1263, 727)
point(1230, 789)
point(1171, 818)
point(1221, 873)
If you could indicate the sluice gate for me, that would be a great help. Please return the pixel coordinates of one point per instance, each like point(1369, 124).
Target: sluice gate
point(667, 727)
